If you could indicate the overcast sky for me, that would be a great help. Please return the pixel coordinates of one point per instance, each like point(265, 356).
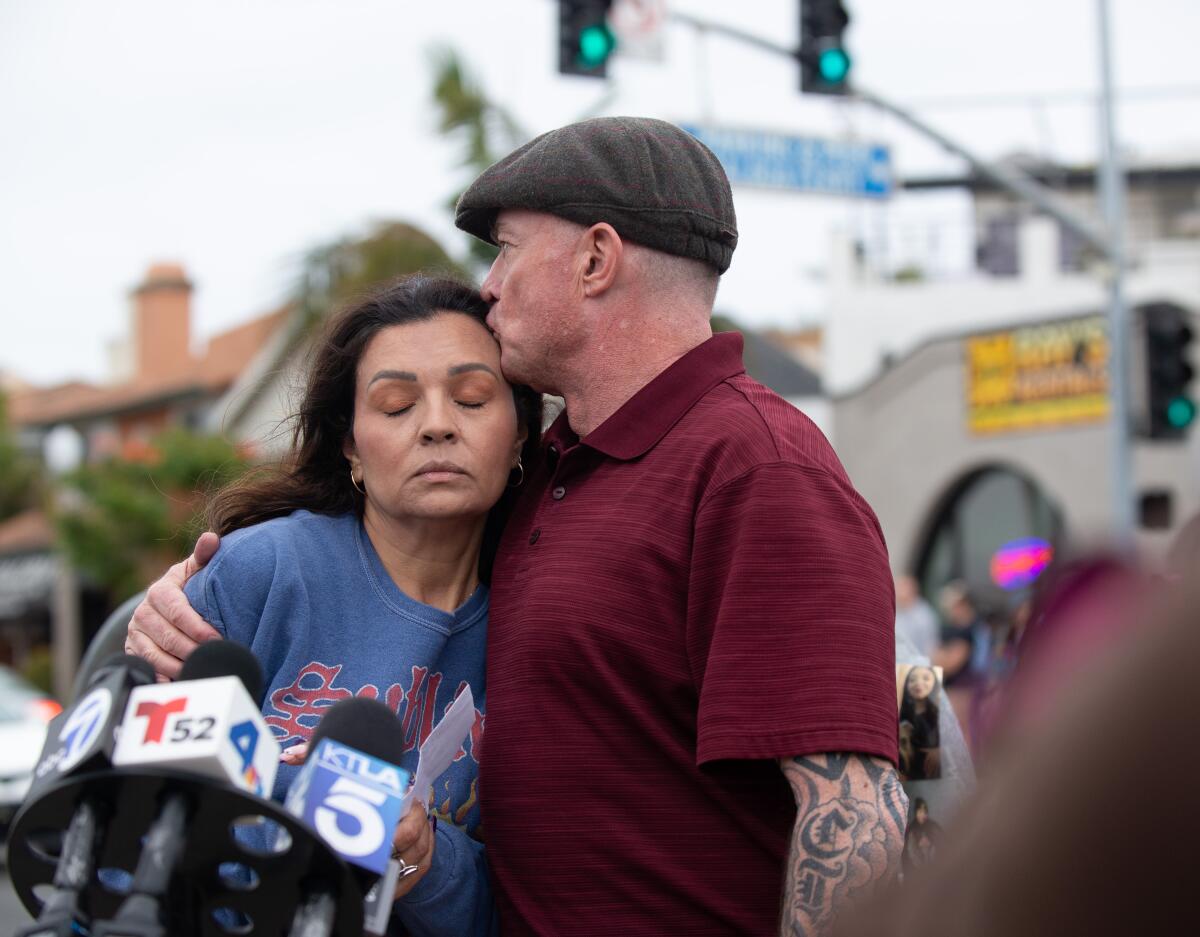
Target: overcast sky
point(231, 135)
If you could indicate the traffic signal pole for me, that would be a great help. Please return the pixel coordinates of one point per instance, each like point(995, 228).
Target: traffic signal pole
point(1112, 189)
point(1107, 240)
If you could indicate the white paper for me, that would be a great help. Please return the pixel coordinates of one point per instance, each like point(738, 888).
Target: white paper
point(443, 743)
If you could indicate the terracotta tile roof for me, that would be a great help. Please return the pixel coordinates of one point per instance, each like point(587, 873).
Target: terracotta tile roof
point(65, 403)
point(28, 406)
point(227, 355)
point(230, 352)
point(25, 533)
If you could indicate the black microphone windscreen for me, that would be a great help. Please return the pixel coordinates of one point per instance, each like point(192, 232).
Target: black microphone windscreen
point(365, 724)
point(140, 670)
point(225, 659)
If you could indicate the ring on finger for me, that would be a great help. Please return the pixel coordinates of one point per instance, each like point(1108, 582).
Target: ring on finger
point(405, 869)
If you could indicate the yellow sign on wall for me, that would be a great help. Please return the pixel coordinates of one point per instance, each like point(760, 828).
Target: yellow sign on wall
point(1038, 376)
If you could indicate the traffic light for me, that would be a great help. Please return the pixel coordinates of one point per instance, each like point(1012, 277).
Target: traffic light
point(1168, 338)
point(824, 61)
point(585, 41)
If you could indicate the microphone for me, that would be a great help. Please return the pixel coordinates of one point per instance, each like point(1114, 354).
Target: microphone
point(64, 914)
point(81, 740)
point(207, 724)
point(352, 793)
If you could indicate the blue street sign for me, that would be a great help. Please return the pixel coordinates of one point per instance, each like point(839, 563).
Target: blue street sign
point(809, 164)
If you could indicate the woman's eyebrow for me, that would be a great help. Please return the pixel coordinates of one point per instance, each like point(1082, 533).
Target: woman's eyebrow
point(392, 375)
point(471, 366)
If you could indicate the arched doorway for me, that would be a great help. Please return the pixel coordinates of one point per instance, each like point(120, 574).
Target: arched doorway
point(985, 512)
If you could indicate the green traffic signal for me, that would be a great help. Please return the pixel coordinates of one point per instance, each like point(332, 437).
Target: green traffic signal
point(596, 44)
point(824, 62)
point(1166, 340)
point(1180, 412)
point(834, 65)
point(585, 42)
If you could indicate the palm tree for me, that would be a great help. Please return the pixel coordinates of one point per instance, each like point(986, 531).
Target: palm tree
point(487, 130)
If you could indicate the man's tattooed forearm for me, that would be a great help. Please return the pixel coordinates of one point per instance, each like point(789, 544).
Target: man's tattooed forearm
point(848, 835)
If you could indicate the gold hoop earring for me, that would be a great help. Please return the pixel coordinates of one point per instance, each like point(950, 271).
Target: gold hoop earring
point(521, 477)
point(361, 491)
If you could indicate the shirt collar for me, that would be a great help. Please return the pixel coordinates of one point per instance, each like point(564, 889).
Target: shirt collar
point(647, 416)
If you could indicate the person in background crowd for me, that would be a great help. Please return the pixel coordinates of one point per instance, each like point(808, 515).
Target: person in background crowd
point(921, 838)
point(919, 712)
point(691, 655)
point(965, 647)
point(964, 651)
point(988, 699)
point(915, 618)
point(1085, 824)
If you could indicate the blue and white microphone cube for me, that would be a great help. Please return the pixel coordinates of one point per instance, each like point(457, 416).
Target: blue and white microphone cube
point(354, 801)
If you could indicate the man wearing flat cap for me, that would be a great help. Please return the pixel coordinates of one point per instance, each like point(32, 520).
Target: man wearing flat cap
point(691, 676)
point(691, 691)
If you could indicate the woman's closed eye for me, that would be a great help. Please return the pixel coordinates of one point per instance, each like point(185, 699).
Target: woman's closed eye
point(472, 391)
point(393, 410)
point(395, 404)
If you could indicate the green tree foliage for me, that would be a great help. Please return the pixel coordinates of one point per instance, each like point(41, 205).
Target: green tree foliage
point(39, 669)
point(122, 521)
point(19, 483)
point(485, 130)
point(333, 273)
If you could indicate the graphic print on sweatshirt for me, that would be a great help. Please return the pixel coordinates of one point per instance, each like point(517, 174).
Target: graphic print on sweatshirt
point(294, 711)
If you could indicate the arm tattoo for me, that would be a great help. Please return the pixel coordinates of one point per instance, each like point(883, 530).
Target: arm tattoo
point(850, 814)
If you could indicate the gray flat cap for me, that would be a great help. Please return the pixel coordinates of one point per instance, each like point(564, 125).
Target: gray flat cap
point(656, 184)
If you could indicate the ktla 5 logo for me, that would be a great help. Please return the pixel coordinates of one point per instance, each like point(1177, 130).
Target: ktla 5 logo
point(362, 804)
point(358, 799)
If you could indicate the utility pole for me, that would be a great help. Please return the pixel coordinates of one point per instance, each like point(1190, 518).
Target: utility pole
point(1112, 191)
point(1108, 240)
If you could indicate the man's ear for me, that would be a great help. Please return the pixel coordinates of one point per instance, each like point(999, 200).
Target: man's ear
point(602, 249)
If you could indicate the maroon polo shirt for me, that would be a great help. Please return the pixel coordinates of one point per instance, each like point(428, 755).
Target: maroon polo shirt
point(689, 593)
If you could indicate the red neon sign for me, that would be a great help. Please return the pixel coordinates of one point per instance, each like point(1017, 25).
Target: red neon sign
point(1020, 562)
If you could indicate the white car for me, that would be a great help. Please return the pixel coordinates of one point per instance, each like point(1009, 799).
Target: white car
point(24, 714)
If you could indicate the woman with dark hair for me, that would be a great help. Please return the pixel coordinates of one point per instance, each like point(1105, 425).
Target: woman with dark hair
point(359, 566)
point(920, 837)
point(920, 740)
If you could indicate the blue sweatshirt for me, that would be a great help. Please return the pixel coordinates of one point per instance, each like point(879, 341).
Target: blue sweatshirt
point(310, 597)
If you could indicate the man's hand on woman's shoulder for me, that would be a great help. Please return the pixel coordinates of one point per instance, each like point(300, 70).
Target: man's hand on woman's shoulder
point(165, 629)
